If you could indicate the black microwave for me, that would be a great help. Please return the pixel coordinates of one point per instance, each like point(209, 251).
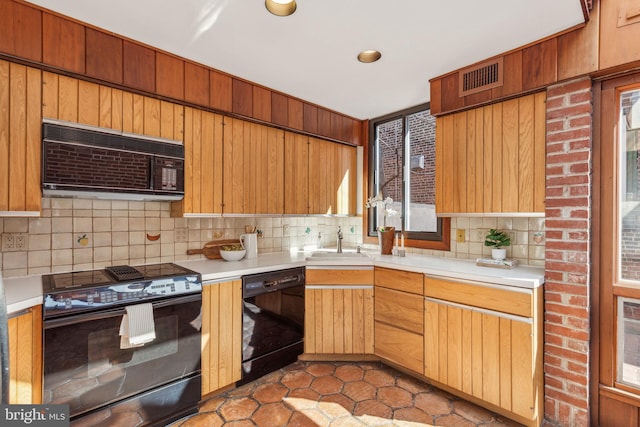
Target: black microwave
point(84, 161)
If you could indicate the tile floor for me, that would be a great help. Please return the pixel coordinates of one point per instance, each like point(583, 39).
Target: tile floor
point(317, 394)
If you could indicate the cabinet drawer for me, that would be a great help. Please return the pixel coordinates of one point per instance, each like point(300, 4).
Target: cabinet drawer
point(399, 309)
point(346, 276)
point(405, 281)
point(516, 301)
point(399, 346)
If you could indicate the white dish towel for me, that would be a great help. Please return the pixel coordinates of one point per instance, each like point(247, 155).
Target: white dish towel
point(137, 327)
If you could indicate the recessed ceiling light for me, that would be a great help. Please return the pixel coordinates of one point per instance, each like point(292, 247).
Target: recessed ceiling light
point(281, 7)
point(368, 56)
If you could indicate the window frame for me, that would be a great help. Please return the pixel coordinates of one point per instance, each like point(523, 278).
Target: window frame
point(439, 240)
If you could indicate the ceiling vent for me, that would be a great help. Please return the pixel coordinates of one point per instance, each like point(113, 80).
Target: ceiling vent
point(477, 78)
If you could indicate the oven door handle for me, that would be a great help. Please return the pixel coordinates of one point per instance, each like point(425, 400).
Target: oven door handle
point(106, 314)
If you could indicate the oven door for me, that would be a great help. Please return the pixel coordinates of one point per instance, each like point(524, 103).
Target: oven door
point(85, 367)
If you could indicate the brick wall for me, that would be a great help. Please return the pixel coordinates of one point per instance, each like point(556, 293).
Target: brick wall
point(568, 236)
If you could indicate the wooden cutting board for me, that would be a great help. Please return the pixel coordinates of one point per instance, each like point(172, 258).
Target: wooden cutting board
point(211, 249)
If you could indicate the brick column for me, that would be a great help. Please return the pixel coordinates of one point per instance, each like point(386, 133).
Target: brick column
point(567, 256)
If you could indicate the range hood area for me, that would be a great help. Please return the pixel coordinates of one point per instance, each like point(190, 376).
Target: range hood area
point(91, 162)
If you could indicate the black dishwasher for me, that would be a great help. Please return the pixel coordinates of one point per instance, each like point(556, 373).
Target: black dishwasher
point(272, 321)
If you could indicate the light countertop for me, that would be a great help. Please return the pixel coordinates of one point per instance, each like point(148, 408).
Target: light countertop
point(25, 292)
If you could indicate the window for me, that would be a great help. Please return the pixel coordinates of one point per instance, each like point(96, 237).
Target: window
point(402, 168)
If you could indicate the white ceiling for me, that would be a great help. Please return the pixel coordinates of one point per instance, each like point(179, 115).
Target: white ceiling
point(312, 54)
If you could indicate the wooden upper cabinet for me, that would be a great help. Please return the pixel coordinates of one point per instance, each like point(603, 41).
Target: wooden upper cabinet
point(268, 144)
point(20, 30)
point(242, 97)
point(104, 56)
point(492, 159)
point(139, 64)
point(203, 164)
point(619, 32)
point(261, 104)
point(296, 174)
point(63, 43)
point(253, 168)
point(196, 84)
point(20, 124)
point(332, 178)
point(169, 76)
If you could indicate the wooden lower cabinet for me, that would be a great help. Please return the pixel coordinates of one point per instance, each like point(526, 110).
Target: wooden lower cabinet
point(339, 311)
point(25, 357)
point(399, 319)
point(221, 334)
point(492, 357)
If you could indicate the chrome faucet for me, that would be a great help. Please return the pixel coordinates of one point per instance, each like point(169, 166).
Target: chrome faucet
point(339, 240)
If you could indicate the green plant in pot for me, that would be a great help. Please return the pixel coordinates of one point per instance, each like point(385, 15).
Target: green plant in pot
point(497, 240)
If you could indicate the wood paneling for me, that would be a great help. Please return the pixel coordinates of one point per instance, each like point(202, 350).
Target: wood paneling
point(20, 30)
point(242, 97)
point(324, 122)
point(20, 121)
point(339, 320)
point(261, 104)
point(310, 118)
point(279, 109)
point(270, 171)
point(139, 64)
point(483, 355)
point(28, 32)
point(169, 76)
point(295, 115)
point(221, 91)
point(618, 33)
point(492, 159)
point(296, 174)
point(25, 357)
point(578, 50)
point(104, 56)
point(539, 64)
point(196, 84)
point(221, 335)
point(614, 412)
point(63, 43)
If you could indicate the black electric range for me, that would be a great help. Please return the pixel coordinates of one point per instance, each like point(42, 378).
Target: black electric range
point(79, 291)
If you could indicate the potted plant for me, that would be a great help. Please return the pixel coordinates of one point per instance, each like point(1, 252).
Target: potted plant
point(497, 240)
point(385, 234)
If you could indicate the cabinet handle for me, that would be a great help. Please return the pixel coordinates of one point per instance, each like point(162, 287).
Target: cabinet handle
point(528, 320)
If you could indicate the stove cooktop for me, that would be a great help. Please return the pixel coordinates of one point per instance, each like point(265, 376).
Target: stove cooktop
point(110, 276)
point(118, 285)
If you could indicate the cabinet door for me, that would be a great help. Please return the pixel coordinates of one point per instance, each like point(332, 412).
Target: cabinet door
point(269, 174)
point(321, 186)
point(25, 357)
point(203, 164)
point(20, 123)
point(221, 335)
point(492, 159)
point(253, 168)
point(296, 174)
point(483, 354)
point(338, 320)
point(345, 179)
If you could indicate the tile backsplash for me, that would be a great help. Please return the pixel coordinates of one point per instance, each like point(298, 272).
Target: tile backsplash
point(82, 234)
